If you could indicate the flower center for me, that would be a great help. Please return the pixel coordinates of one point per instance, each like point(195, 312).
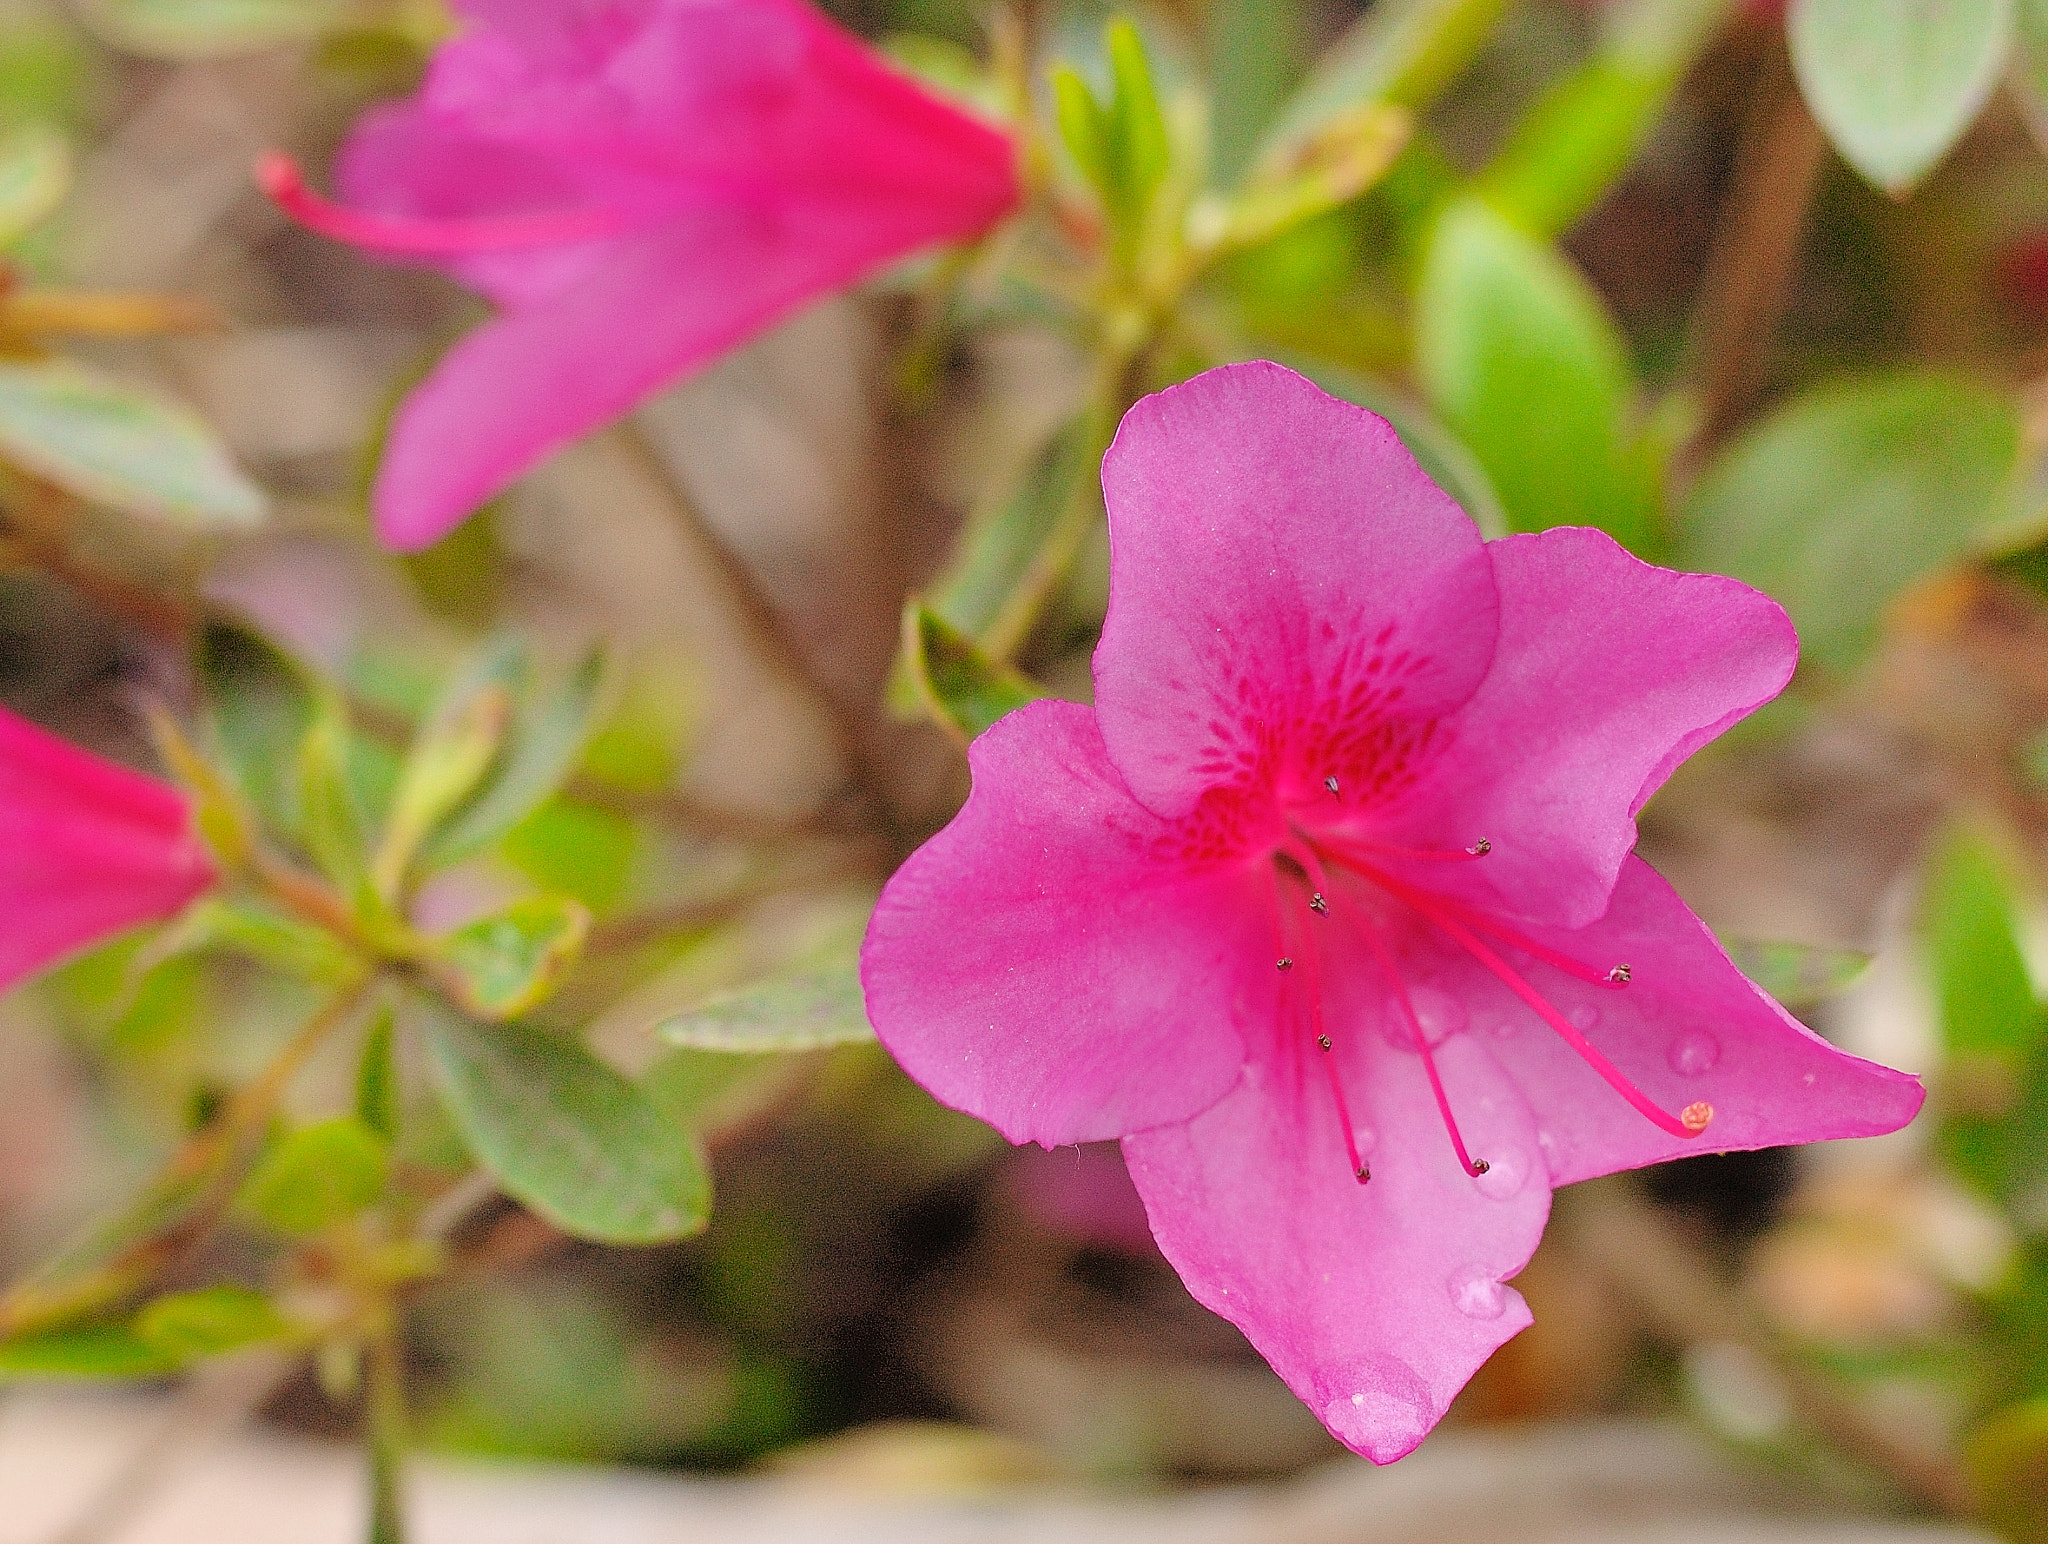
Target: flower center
point(1307, 900)
point(421, 236)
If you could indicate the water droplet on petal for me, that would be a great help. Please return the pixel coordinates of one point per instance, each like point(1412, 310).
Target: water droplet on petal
point(1584, 1017)
point(1693, 1052)
point(1505, 1173)
point(1377, 1405)
point(1476, 1294)
point(1439, 1013)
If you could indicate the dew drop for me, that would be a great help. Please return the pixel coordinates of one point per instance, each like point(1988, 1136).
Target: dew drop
point(1505, 1173)
point(1693, 1052)
point(1584, 1017)
point(1376, 1405)
point(1475, 1293)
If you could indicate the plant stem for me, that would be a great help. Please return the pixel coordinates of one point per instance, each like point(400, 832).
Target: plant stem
point(385, 1431)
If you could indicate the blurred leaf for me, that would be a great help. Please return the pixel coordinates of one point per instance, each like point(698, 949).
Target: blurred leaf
point(2030, 63)
point(377, 1077)
point(568, 1137)
point(961, 687)
point(2006, 1459)
point(211, 1321)
point(802, 1012)
point(121, 446)
point(1255, 56)
point(577, 849)
point(545, 740)
point(330, 823)
point(448, 758)
point(1798, 975)
point(1849, 493)
point(318, 1176)
point(1980, 976)
point(1524, 363)
point(1084, 129)
point(1002, 535)
point(709, 1092)
point(1573, 144)
point(1138, 128)
point(1440, 453)
point(1895, 82)
point(35, 174)
point(208, 29)
point(1401, 52)
point(241, 925)
point(499, 966)
point(1351, 153)
point(89, 1351)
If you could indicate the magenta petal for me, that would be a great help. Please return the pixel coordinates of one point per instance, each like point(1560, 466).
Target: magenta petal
point(1287, 586)
point(1374, 1302)
point(88, 849)
point(1609, 673)
point(1688, 1026)
point(1038, 965)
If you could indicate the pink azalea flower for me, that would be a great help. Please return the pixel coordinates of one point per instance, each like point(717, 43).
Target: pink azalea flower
point(639, 185)
point(88, 849)
point(1327, 908)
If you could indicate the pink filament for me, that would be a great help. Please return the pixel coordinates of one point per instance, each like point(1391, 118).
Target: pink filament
point(1311, 961)
point(1421, 854)
point(1473, 1167)
point(418, 236)
point(1568, 1031)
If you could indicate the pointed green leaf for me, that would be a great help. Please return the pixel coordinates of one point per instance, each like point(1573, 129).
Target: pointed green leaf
point(1138, 128)
point(244, 926)
point(1851, 492)
point(212, 1321)
point(499, 966)
point(318, 1176)
point(377, 1077)
point(1521, 359)
point(35, 174)
point(1002, 535)
point(1987, 1000)
point(961, 687)
point(330, 824)
point(118, 445)
point(567, 1136)
point(803, 1012)
point(1895, 82)
point(1084, 130)
point(449, 757)
point(87, 1351)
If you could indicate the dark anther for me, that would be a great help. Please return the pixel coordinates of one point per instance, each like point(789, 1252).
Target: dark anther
point(1316, 903)
point(1286, 963)
point(1364, 1174)
point(1331, 784)
point(1480, 848)
point(1479, 1167)
point(1621, 975)
point(1323, 1041)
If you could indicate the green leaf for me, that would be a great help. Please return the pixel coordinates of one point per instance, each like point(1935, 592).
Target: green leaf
point(1895, 82)
point(802, 1012)
point(296, 950)
point(377, 1078)
point(1002, 535)
point(448, 758)
point(330, 824)
point(567, 1136)
point(1848, 494)
point(545, 741)
point(2030, 63)
point(209, 29)
point(499, 966)
point(318, 1176)
point(1523, 362)
point(1138, 128)
point(211, 1321)
point(963, 689)
point(1573, 145)
point(1255, 56)
point(1349, 156)
point(1401, 52)
point(118, 445)
point(2006, 1459)
point(1084, 129)
point(35, 174)
point(88, 1351)
point(1440, 453)
point(1798, 975)
point(1980, 976)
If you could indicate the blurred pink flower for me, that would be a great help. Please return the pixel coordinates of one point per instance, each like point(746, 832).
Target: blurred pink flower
point(87, 849)
point(639, 185)
point(1337, 733)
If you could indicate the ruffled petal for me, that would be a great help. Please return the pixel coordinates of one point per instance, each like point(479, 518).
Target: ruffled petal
point(1040, 965)
point(88, 849)
point(1688, 1026)
point(1375, 1302)
point(1291, 598)
point(1608, 674)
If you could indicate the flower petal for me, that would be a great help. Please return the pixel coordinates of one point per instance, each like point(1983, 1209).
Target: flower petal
point(1288, 591)
point(1688, 1026)
point(1608, 674)
point(88, 849)
point(1374, 1302)
point(1039, 965)
point(659, 306)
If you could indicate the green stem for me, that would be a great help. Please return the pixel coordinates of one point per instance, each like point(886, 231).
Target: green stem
point(385, 1432)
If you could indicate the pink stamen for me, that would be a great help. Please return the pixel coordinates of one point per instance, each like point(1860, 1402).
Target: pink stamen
point(419, 236)
point(1472, 854)
point(1312, 983)
point(1689, 1123)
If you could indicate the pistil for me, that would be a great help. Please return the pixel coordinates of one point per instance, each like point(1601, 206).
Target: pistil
point(420, 236)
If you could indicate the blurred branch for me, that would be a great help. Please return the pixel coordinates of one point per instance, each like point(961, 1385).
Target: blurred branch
point(1687, 1302)
point(1755, 254)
